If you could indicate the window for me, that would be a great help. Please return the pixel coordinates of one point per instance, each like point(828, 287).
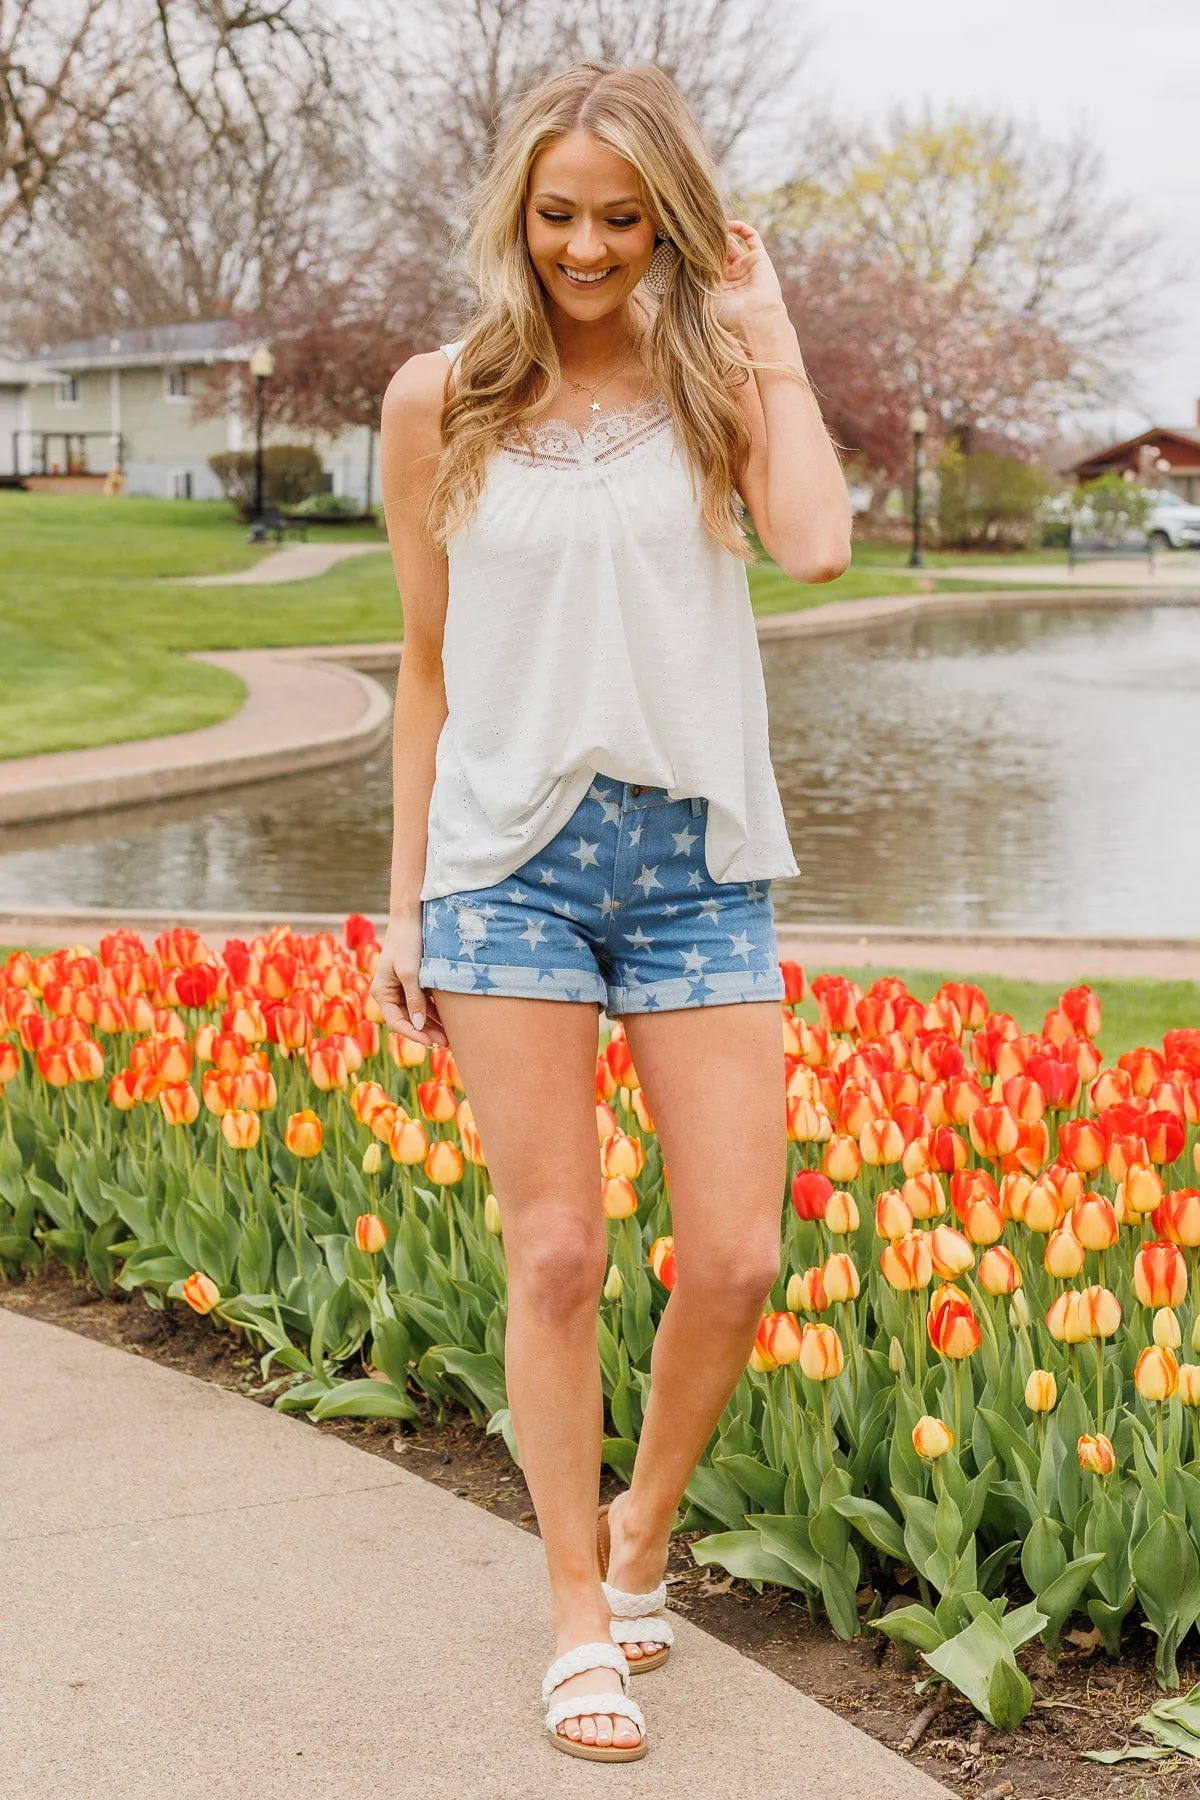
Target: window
point(68, 392)
point(181, 484)
point(175, 384)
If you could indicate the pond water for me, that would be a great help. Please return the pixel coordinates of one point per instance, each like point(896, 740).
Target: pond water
point(1025, 770)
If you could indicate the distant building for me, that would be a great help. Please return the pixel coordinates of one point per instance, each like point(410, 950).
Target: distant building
point(1162, 456)
point(125, 400)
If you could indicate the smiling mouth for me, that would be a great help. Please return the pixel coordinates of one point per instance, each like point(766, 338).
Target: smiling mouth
point(577, 278)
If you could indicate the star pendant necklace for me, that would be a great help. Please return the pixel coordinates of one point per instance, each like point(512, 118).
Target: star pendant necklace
point(581, 387)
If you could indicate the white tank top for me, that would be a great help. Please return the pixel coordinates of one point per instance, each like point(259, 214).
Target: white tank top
point(594, 626)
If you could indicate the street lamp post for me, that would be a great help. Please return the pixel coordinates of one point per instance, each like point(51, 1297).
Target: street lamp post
point(262, 367)
point(918, 424)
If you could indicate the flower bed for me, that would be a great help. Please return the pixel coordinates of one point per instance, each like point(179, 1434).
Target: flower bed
point(989, 1240)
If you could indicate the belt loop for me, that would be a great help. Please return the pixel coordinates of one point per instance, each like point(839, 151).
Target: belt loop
point(695, 803)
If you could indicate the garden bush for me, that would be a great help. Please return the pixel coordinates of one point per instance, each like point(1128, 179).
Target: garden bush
point(987, 501)
point(291, 472)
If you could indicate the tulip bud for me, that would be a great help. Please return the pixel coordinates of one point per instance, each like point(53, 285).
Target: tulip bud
point(1156, 1374)
point(896, 1361)
point(907, 1263)
point(201, 1292)
point(372, 1160)
point(839, 1277)
point(794, 1289)
point(619, 1197)
point(841, 1213)
point(613, 1285)
point(370, 1233)
point(780, 1339)
point(1067, 1320)
point(893, 1215)
point(999, 1271)
point(1160, 1275)
point(931, 1438)
point(1167, 1334)
point(821, 1354)
point(1103, 1311)
point(1189, 1384)
point(1041, 1391)
point(950, 1252)
point(1094, 1222)
point(1095, 1455)
point(304, 1133)
point(491, 1216)
point(1019, 1315)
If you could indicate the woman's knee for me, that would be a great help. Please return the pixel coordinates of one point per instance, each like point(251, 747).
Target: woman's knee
point(738, 1278)
point(558, 1262)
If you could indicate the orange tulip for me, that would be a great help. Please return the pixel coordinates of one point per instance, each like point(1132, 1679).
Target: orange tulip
point(1156, 1374)
point(1065, 1255)
point(200, 1292)
point(1160, 1276)
point(999, 1271)
point(1095, 1455)
point(10, 1061)
point(841, 1158)
point(1176, 1218)
point(257, 1090)
point(619, 1197)
point(810, 1292)
point(444, 1163)
point(1067, 1320)
point(924, 1194)
point(1094, 1222)
point(621, 1154)
point(821, 1355)
point(983, 1221)
point(841, 1214)
point(1081, 1144)
point(180, 1103)
point(370, 1233)
point(86, 1059)
point(931, 1438)
point(950, 1252)
point(1189, 1384)
point(1142, 1188)
point(777, 1340)
point(661, 1257)
point(241, 1130)
point(304, 1134)
point(327, 1065)
point(219, 1091)
point(54, 1066)
point(893, 1215)
point(1102, 1310)
point(409, 1142)
point(881, 1142)
point(839, 1277)
point(954, 1330)
point(907, 1263)
point(993, 1131)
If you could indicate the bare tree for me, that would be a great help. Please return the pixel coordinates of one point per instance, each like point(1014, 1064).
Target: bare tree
point(64, 70)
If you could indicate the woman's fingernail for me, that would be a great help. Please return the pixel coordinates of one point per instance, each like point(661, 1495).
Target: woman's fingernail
point(418, 1020)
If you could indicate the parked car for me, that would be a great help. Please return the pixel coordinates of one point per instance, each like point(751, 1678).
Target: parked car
point(1174, 522)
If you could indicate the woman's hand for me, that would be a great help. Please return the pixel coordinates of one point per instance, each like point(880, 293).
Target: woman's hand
point(749, 283)
point(396, 988)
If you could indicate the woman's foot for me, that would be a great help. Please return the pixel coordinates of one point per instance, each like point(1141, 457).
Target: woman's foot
point(636, 1564)
point(593, 1728)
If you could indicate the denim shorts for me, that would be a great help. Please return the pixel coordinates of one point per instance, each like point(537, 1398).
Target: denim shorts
point(618, 908)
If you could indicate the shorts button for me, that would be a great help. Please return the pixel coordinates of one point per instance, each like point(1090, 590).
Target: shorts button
point(637, 790)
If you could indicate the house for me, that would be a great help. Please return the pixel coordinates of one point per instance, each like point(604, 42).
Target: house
point(1161, 456)
point(125, 401)
point(17, 381)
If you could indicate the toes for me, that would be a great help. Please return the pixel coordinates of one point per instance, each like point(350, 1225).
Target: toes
point(570, 1728)
point(588, 1728)
point(632, 1652)
point(649, 1649)
point(626, 1733)
point(604, 1729)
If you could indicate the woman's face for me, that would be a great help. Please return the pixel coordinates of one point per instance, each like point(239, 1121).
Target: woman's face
point(585, 217)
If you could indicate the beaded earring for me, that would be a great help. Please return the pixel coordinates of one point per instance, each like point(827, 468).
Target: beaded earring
point(661, 265)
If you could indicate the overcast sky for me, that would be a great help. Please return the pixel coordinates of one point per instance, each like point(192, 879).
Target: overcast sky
point(1131, 72)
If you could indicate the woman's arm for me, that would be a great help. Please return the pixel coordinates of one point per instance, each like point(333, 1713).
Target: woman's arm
point(792, 481)
point(409, 448)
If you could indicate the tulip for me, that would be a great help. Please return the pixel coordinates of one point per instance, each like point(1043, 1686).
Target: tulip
point(1189, 1384)
point(372, 1160)
point(1095, 1455)
point(241, 1130)
point(821, 1355)
point(304, 1133)
point(1142, 1188)
point(1065, 1255)
point(86, 1059)
point(1041, 1391)
point(54, 1066)
point(1081, 1144)
point(839, 1277)
point(10, 1061)
point(1067, 1319)
point(811, 1191)
point(219, 1091)
point(622, 1155)
point(409, 1142)
point(807, 1122)
point(983, 1221)
point(661, 1256)
point(370, 1233)
point(1166, 1331)
point(993, 1131)
point(1156, 1374)
point(778, 1339)
point(931, 1438)
point(953, 1327)
point(810, 1291)
point(200, 1292)
point(1094, 1222)
point(1102, 1310)
point(999, 1271)
point(444, 1163)
point(614, 1284)
point(841, 1214)
point(893, 1215)
point(1160, 1275)
point(924, 1195)
point(180, 1103)
point(950, 1252)
point(1176, 1218)
point(491, 1219)
point(619, 1197)
point(841, 1159)
point(907, 1263)
point(881, 1142)
point(795, 1288)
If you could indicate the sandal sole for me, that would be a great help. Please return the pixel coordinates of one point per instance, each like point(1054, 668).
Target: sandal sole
point(597, 1752)
point(638, 1665)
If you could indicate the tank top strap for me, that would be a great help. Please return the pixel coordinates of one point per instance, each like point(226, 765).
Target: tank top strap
point(452, 351)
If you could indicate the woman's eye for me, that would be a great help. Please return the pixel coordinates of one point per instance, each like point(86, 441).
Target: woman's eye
point(556, 218)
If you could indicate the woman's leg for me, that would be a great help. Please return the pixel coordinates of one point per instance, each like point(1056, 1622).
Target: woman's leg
point(713, 1079)
point(529, 1068)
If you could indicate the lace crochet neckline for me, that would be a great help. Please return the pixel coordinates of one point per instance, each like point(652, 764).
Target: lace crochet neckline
point(604, 438)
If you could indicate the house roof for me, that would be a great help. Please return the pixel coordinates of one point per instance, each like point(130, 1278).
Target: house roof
point(25, 374)
point(1186, 436)
point(153, 346)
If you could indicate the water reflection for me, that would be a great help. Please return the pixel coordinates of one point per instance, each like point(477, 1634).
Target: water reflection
point(1033, 770)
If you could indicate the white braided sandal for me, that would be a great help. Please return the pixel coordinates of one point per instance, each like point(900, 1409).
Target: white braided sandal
point(637, 1618)
point(575, 1662)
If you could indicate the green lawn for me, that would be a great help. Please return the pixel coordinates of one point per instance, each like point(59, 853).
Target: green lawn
point(90, 632)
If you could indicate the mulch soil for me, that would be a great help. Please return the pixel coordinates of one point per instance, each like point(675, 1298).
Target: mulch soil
point(1082, 1701)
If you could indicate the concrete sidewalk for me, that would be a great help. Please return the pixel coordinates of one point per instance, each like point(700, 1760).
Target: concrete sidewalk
point(297, 562)
point(205, 1598)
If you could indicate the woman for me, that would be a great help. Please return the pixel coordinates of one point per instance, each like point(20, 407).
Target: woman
point(585, 810)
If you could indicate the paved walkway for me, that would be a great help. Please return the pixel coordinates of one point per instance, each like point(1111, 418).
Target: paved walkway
point(295, 562)
point(1179, 569)
point(299, 713)
point(209, 1599)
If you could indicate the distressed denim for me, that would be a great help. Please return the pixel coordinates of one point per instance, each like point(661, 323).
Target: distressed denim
point(617, 908)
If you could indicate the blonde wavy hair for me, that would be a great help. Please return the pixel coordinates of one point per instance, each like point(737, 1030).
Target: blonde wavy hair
point(509, 368)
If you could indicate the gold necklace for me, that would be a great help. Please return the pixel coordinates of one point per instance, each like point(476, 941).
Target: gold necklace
point(581, 387)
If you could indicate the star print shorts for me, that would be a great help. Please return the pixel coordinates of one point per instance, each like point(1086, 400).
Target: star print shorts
point(618, 908)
